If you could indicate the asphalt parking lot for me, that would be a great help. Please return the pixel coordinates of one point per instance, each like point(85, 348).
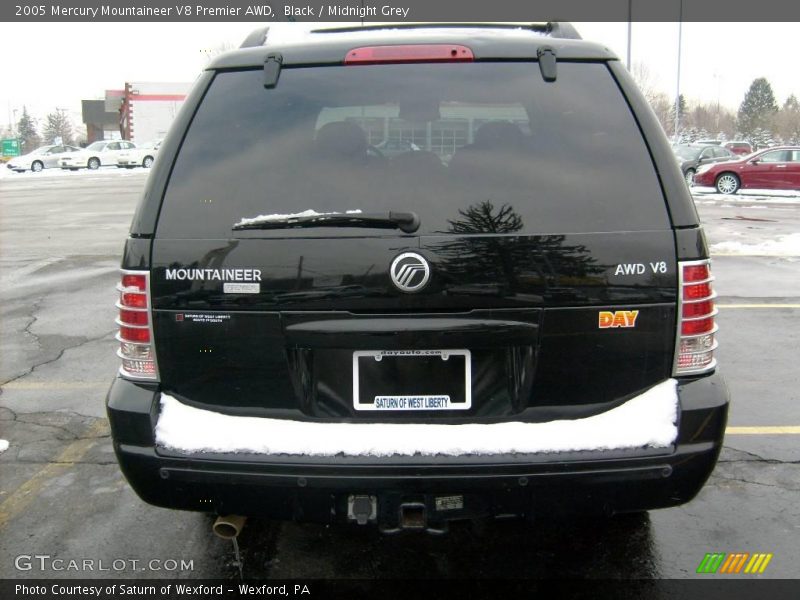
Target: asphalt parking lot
point(62, 495)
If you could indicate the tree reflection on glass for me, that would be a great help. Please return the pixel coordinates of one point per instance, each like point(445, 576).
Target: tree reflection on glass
point(486, 250)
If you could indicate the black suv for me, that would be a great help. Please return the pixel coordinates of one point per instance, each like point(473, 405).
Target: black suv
point(514, 316)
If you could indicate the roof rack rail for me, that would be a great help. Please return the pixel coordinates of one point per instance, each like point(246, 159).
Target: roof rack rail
point(556, 29)
point(256, 37)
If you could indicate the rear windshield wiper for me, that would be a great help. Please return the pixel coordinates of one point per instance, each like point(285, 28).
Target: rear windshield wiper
point(407, 222)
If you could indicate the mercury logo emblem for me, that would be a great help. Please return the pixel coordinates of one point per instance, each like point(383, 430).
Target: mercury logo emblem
point(410, 272)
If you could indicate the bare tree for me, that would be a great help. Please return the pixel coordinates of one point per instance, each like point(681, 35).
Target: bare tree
point(58, 125)
point(647, 82)
point(717, 121)
point(658, 100)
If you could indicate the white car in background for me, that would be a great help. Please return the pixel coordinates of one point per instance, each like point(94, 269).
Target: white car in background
point(44, 157)
point(97, 154)
point(141, 156)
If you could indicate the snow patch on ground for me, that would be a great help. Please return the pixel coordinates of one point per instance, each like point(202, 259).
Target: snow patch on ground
point(786, 245)
point(750, 195)
point(3, 446)
point(57, 172)
point(647, 420)
point(280, 217)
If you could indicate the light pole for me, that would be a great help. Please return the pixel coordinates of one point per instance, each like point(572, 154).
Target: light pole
point(717, 80)
point(678, 82)
point(630, 25)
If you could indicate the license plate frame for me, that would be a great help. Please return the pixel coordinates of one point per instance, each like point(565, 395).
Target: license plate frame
point(421, 399)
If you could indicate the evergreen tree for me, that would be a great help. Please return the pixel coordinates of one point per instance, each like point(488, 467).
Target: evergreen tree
point(758, 108)
point(761, 138)
point(58, 125)
point(26, 128)
point(681, 106)
point(688, 135)
point(787, 123)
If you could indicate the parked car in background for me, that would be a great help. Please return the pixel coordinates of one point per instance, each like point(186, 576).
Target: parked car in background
point(741, 148)
point(96, 155)
point(141, 156)
point(708, 142)
point(44, 157)
point(691, 156)
point(771, 169)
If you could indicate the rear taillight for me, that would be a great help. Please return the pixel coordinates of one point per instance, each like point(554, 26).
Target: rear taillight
point(696, 339)
point(135, 323)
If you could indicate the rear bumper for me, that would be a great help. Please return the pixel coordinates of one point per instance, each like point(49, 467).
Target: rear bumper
point(317, 489)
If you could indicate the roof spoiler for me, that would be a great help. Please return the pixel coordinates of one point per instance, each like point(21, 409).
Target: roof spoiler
point(556, 29)
point(559, 29)
point(256, 38)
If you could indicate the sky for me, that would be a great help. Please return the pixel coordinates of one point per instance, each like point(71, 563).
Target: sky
point(56, 65)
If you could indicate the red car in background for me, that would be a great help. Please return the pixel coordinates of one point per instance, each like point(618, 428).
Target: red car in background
point(743, 148)
point(773, 169)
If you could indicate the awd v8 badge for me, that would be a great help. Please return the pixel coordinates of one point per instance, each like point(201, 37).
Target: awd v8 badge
point(619, 318)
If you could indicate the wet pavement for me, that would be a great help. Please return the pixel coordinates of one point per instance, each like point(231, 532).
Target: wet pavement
point(62, 495)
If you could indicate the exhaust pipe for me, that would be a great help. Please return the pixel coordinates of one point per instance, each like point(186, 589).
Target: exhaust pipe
point(228, 527)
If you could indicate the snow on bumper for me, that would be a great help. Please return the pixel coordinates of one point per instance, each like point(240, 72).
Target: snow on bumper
point(647, 420)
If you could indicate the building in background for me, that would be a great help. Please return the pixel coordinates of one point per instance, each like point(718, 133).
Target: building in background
point(146, 109)
point(101, 123)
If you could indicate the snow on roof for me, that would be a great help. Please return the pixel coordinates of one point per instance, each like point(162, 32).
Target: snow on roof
point(647, 420)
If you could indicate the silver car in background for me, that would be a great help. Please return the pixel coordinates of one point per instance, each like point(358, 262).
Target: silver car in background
point(44, 157)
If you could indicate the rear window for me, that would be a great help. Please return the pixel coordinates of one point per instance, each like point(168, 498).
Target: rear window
point(470, 148)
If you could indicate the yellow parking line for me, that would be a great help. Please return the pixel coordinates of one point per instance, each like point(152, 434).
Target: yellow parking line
point(24, 495)
point(764, 305)
point(776, 430)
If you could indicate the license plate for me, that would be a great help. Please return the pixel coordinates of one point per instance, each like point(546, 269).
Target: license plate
point(412, 380)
